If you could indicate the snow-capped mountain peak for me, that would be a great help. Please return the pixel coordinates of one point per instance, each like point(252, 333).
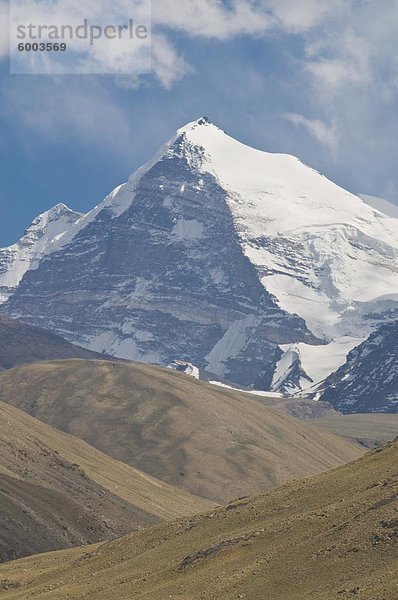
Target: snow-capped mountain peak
point(230, 257)
point(37, 242)
point(49, 224)
point(201, 122)
point(279, 187)
point(303, 232)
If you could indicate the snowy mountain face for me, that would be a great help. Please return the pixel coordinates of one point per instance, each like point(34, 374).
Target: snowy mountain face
point(368, 382)
point(381, 205)
point(36, 243)
point(250, 265)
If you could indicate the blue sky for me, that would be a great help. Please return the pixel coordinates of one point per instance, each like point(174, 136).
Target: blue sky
point(312, 78)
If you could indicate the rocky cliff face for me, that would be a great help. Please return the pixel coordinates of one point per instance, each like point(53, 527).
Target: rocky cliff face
point(223, 256)
point(368, 382)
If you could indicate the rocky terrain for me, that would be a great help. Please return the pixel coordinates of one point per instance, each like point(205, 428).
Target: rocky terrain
point(368, 381)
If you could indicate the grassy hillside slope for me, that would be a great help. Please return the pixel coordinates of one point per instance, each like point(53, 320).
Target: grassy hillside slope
point(185, 432)
point(332, 536)
point(56, 491)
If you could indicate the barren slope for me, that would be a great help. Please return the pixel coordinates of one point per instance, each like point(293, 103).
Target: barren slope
point(180, 430)
point(57, 492)
point(330, 537)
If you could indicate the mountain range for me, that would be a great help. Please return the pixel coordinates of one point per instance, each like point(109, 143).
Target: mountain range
point(246, 264)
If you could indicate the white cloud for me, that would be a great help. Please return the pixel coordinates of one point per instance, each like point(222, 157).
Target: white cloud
point(357, 49)
point(211, 18)
point(323, 133)
point(124, 55)
point(345, 39)
point(300, 16)
point(167, 64)
point(342, 89)
point(346, 63)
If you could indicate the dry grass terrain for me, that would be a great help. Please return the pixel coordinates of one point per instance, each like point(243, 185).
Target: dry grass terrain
point(21, 344)
point(333, 536)
point(173, 427)
point(370, 430)
point(56, 491)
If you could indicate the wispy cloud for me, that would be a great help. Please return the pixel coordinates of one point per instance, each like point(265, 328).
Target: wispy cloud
point(213, 19)
point(355, 48)
point(208, 19)
point(168, 64)
point(337, 88)
point(322, 132)
point(304, 15)
point(345, 40)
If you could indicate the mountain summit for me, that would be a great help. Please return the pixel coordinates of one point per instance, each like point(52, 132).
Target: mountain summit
point(248, 264)
point(37, 242)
